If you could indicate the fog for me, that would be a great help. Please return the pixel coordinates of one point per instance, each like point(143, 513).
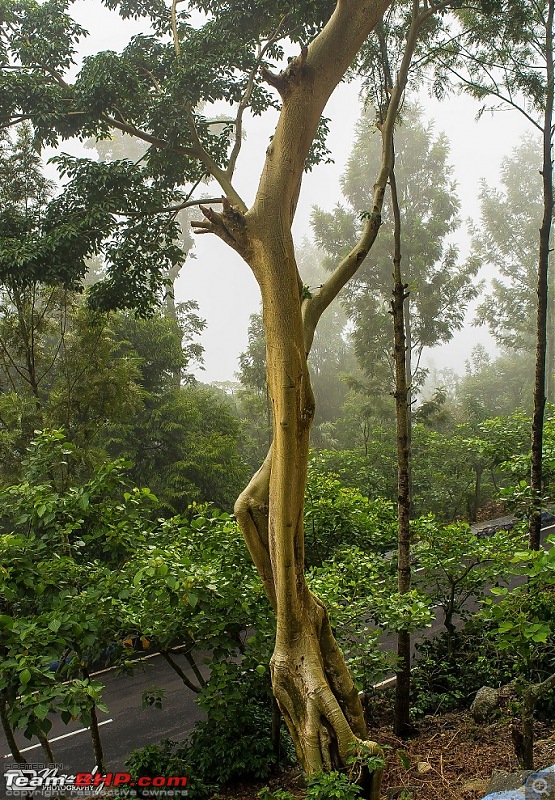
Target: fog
point(220, 281)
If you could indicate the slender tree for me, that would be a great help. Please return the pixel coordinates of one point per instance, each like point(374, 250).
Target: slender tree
point(402, 408)
point(505, 241)
point(506, 56)
point(440, 288)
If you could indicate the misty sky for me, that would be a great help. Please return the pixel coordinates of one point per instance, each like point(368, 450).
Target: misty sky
point(220, 281)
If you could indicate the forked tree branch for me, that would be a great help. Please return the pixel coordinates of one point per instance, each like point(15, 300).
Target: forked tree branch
point(314, 307)
point(211, 167)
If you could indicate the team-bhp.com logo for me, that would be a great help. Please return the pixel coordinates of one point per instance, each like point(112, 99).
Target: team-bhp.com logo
point(48, 781)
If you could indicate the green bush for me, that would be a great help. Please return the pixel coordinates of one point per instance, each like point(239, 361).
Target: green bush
point(168, 758)
point(322, 786)
point(234, 742)
point(443, 682)
point(331, 785)
point(337, 515)
point(236, 739)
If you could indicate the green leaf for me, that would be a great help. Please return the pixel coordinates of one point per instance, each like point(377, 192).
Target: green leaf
point(6, 622)
point(25, 677)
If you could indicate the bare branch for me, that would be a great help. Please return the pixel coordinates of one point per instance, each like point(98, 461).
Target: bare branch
point(175, 209)
point(245, 100)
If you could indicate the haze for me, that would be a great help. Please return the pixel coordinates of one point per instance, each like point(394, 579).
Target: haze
point(215, 276)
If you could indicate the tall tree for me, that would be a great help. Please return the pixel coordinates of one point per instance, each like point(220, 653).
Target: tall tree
point(27, 308)
point(439, 287)
point(152, 90)
point(505, 240)
point(506, 55)
point(430, 292)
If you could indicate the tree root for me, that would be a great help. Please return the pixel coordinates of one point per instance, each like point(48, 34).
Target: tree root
point(322, 708)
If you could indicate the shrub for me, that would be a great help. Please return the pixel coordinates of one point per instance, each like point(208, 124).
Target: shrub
point(236, 739)
point(330, 785)
point(443, 681)
point(168, 758)
point(234, 742)
point(338, 515)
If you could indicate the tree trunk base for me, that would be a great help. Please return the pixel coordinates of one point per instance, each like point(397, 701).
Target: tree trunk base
point(321, 705)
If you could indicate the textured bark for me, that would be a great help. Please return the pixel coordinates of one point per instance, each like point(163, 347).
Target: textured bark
point(532, 695)
point(310, 680)
point(311, 683)
point(8, 731)
point(402, 400)
point(536, 480)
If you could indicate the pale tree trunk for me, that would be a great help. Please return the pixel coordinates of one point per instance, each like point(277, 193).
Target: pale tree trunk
point(310, 680)
point(536, 480)
point(311, 683)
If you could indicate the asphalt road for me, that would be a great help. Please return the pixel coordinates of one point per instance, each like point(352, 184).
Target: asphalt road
point(128, 726)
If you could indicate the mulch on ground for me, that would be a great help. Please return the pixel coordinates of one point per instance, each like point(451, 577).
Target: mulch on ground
point(452, 758)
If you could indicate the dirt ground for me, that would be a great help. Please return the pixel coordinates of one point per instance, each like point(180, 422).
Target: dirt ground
point(452, 758)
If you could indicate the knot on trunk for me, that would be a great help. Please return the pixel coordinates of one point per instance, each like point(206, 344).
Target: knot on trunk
point(229, 225)
point(290, 76)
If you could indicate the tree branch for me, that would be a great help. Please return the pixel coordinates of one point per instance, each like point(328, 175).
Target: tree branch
point(328, 57)
point(245, 100)
point(175, 666)
point(132, 130)
point(314, 307)
point(230, 226)
point(211, 167)
point(251, 511)
point(174, 28)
